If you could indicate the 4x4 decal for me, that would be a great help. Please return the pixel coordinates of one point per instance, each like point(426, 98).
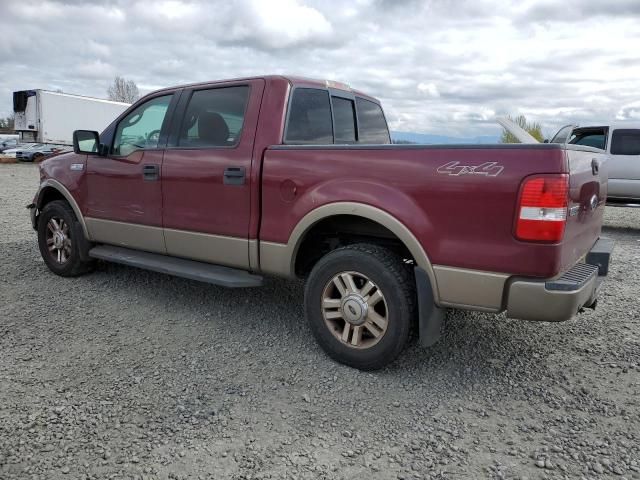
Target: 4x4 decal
point(490, 169)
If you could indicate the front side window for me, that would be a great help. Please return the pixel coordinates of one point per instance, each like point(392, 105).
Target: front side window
point(372, 127)
point(563, 135)
point(344, 118)
point(309, 118)
point(625, 142)
point(141, 128)
point(214, 117)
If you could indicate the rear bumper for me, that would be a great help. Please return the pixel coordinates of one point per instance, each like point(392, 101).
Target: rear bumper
point(561, 298)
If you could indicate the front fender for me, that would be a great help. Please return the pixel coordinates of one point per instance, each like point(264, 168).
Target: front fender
point(46, 187)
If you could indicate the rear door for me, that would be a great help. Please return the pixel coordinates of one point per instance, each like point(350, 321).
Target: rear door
point(206, 188)
point(624, 168)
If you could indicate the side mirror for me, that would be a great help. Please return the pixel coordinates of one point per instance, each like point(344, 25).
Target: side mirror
point(86, 141)
point(546, 140)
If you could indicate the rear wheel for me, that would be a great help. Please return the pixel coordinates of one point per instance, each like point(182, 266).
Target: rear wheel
point(60, 242)
point(360, 304)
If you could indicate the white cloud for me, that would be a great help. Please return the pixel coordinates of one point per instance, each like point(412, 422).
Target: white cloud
point(281, 23)
point(629, 112)
point(95, 69)
point(429, 89)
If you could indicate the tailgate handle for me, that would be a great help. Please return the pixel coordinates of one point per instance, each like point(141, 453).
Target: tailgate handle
point(595, 166)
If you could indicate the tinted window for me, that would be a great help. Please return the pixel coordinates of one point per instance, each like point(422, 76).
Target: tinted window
point(141, 128)
point(214, 117)
point(344, 119)
point(595, 140)
point(310, 117)
point(625, 142)
point(372, 127)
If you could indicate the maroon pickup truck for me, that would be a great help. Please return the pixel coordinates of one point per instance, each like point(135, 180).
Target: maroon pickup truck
point(227, 181)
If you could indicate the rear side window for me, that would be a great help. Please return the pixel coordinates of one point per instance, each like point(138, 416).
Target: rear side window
point(344, 118)
point(372, 125)
point(214, 117)
point(625, 142)
point(594, 139)
point(310, 118)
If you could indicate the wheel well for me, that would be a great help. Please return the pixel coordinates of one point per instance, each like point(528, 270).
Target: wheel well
point(340, 230)
point(49, 194)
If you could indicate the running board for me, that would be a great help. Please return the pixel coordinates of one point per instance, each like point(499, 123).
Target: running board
point(179, 267)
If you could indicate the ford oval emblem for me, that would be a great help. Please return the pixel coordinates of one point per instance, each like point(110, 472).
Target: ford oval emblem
point(593, 203)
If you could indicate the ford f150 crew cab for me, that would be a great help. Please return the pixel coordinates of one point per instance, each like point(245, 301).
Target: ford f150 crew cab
point(226, 182)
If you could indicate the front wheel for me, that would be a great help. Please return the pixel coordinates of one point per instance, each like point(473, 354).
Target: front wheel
point(360, 303)
point(60, 242)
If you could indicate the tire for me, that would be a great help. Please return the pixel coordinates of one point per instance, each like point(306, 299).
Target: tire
point(36, 157)
point(63, 249)
point(346, 314)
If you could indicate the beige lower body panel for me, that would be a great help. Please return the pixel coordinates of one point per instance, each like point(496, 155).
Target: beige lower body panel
point(275, 259)
point(130, 235)
point(217, 249)
point(470, 289)
point(530, 300)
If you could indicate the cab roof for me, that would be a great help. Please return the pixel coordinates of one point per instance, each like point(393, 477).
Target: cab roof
point(294, 81)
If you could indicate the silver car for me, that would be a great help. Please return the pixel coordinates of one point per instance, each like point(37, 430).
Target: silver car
point(622, 144)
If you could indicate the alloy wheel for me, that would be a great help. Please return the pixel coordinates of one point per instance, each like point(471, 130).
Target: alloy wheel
point(355, 310)
point(58, 240)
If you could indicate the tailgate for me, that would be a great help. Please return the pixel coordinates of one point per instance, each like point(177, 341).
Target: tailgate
point(588, 175)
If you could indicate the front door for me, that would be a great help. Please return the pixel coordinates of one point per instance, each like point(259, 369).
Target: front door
point(206, 174)
point(124, 195)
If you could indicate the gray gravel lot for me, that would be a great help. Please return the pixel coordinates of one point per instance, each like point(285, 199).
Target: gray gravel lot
point(130, 374)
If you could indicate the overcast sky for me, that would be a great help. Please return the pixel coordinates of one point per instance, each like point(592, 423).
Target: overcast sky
point(439, 66)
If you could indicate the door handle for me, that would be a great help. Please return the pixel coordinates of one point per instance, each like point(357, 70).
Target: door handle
point(151, 172)
point(234, 176)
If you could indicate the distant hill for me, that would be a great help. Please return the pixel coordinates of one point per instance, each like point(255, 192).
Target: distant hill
point(425, 139)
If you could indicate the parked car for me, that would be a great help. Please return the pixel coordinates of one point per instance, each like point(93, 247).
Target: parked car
point(622, 144)
point(11, 152)
point(36, 153)
point(8, 144)
point(224, 182)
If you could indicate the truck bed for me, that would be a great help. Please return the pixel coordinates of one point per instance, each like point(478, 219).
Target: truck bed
point(464, 217)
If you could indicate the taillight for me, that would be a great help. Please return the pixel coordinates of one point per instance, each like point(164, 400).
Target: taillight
point(542, 208)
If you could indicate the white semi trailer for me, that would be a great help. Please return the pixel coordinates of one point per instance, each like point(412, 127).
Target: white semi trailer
point(42, 116)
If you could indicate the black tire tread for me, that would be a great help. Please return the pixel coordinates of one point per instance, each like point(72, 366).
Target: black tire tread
point(403, 274)
point(76, 267)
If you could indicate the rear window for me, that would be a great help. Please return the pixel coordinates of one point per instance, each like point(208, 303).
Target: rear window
point(625, 142)
point(344, 117)
point(310, 118)
point(214, 117)
point(372, 125)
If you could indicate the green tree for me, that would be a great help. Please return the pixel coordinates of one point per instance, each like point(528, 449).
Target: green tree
point(534, 129)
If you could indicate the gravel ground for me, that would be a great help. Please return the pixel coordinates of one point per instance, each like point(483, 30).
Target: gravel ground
point(130, 374)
